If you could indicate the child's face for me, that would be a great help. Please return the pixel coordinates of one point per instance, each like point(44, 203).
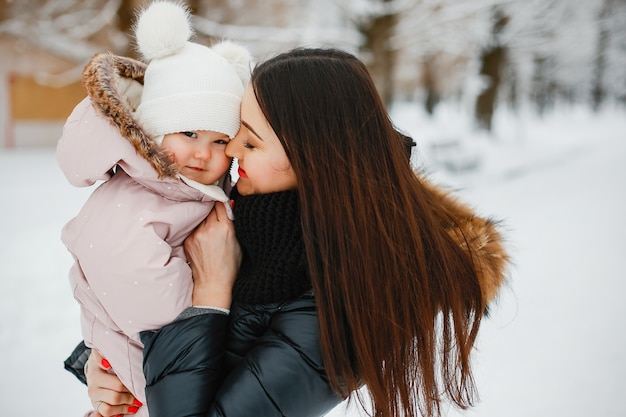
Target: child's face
point(199, 155)
point(263, 163)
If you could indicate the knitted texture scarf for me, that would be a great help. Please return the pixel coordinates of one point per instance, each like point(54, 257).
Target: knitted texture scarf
point(269, 231)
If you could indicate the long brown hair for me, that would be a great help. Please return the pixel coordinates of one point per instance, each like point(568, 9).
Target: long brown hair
point(399, 301)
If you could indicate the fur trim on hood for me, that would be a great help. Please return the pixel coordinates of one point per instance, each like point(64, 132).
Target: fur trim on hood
point(114, 85)
point(481, 237)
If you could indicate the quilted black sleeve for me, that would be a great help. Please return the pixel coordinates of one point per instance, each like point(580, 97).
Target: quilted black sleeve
point(280, 373)
point(75, 363)
point(183, 365)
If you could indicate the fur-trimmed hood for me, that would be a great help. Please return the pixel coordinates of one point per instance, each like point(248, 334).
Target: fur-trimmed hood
point(114, 85)
point(478, 235)
point(102, 135)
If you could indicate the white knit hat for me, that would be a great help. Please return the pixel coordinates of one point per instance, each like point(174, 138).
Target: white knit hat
point(187, 86)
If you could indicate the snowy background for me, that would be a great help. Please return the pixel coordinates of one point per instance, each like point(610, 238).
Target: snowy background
point(554, 345)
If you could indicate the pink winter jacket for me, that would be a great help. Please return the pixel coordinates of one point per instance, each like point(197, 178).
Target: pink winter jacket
point(130, 272)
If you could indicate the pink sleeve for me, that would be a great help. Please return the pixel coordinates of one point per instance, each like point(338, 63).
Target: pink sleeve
point(89, 146)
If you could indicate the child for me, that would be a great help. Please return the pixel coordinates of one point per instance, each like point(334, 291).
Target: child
point(163, 164)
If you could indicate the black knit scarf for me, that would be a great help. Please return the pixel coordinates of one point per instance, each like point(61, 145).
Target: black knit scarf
point(269, 231)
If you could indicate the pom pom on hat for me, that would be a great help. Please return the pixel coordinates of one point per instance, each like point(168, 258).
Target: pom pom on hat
point(238, 56)
point(163, 29)
point(187, 86)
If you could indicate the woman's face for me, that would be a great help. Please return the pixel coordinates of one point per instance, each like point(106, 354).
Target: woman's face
point(263, 164)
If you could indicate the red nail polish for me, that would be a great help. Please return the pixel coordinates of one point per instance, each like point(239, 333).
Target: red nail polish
point(137, 403)
point(105, 363)
point(132, 409)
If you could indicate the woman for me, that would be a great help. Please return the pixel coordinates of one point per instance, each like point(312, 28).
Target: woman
point(355, 271)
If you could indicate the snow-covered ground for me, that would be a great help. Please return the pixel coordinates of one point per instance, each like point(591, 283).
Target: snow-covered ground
point(553, 346)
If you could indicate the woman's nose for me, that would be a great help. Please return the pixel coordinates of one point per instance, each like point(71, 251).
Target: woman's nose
point(233, 147)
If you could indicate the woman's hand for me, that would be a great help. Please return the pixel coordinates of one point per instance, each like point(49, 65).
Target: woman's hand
point(108, 396)
point(214, 256)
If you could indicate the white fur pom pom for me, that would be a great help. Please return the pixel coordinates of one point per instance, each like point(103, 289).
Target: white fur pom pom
point(237, 56)
point(162, 29)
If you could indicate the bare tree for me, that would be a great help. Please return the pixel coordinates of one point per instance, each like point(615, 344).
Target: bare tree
point(378, 28)
point(493, 60)
point(126, 15)
point(598, 92)
point(4, 10)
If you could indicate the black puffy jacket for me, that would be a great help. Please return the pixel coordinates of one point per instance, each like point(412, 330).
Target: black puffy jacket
point(270, 363)
point(263, 360)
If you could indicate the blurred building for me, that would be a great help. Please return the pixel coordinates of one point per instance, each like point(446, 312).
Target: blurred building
point(44, 46)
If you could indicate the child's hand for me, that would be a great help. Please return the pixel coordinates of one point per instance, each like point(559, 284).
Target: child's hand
point(108, 396)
